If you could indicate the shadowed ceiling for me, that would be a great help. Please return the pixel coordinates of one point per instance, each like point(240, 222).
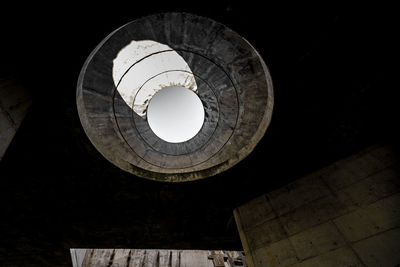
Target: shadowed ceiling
point(332, 98)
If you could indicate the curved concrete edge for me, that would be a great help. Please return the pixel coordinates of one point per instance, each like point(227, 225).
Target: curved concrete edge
point(182, 174)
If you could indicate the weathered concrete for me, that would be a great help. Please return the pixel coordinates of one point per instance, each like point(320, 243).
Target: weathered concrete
point(347, 214)
point(380, 250)
point(156, 257)
point(233, 83)
point(14, 103)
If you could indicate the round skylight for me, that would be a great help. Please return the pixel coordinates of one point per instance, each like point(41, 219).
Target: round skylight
point(175, 114)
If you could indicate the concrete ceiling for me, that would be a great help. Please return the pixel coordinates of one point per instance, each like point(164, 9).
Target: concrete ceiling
point(232, 80)
point(332, 97)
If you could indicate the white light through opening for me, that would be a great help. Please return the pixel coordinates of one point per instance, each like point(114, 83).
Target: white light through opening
point(175, 114)
point(142, 68)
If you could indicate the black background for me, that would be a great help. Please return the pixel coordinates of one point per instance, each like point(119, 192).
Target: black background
point(331, 68)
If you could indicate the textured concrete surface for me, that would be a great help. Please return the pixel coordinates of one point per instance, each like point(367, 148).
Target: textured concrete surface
point(346, 214)
point(14, 103)
point(234, 85)
point(156, 258)
point(332, 99)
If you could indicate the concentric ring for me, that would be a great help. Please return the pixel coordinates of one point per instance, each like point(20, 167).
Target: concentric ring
point(232, 82)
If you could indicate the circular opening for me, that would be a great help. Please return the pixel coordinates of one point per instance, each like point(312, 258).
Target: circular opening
point(175, 114)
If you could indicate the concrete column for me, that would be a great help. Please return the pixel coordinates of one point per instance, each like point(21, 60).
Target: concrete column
point(14, 103)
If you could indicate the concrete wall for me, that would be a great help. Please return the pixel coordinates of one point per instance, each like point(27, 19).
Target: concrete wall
point(347, 214)
point(99, 257)
point(14, 103)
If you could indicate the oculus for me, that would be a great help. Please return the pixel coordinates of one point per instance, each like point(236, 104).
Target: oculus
point(174, 97)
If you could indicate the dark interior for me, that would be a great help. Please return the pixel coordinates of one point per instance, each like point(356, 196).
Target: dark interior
point(331, 70)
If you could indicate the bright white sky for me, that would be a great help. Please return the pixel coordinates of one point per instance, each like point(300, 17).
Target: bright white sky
point(175, 114)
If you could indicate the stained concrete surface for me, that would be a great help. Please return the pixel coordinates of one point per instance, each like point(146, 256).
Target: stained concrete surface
point(14, 103)
point(332, 93)
point(312, 222)
point(230, 66)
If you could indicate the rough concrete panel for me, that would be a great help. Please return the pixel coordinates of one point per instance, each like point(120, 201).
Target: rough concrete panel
point(14, 103)
point(380, 250)
point(364, 165)
point(14, 99)
point(371, 189)
point(343, 257)
point(385, 213)
point(264, 234)
point(77, 256)
point(356, 225)
point(358, 167)
point(317, 240)
point(377, 217)
point(7, 132)
point(311, 214)
point(385, 154)
point(359, 205)
point(255, 212)
point(280, 253)
point(243, 238)
point(298, 193)
point(154, 257)
point(353, 169)
point(19, 111)
point(339, 177)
